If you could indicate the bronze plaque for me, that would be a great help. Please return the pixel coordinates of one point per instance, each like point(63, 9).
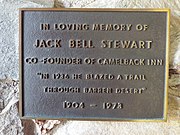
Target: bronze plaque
point(94, 64)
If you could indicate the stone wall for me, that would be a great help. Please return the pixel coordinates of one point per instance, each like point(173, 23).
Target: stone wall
point(11, 124)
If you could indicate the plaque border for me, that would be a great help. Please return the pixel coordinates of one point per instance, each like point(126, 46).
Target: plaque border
point(166, 10)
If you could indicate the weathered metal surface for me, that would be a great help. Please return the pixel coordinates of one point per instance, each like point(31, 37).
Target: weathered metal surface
point(94, 64)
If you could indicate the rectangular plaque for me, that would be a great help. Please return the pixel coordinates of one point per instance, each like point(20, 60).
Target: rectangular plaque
point(94, 64)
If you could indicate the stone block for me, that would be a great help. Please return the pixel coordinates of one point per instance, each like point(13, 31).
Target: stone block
point(9, 35)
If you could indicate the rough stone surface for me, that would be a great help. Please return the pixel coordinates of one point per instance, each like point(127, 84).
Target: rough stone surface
point(44, 126)
point(9, 35)
point(10, 123)
point(47, 3)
